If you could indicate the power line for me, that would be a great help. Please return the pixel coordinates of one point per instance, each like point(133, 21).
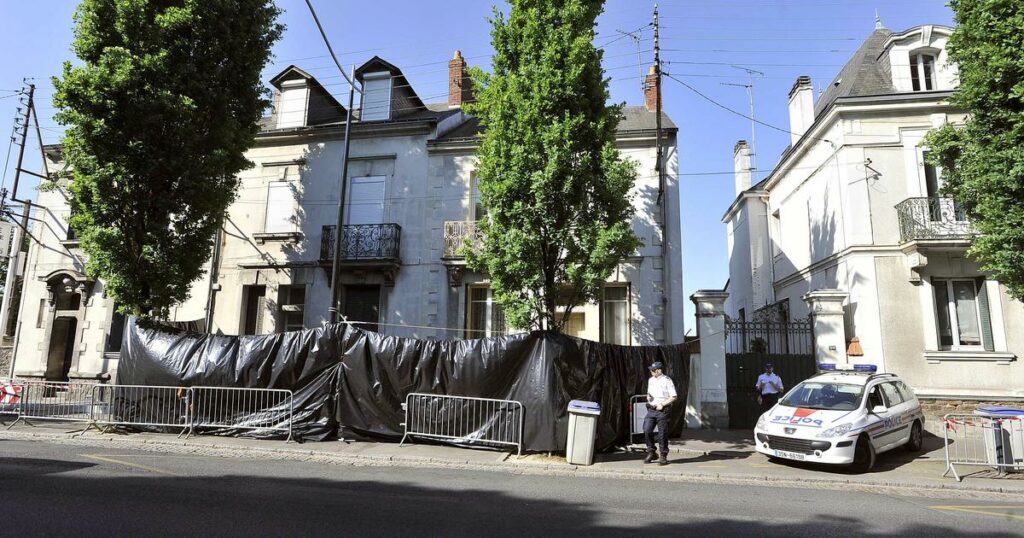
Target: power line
point(328, 43)
point(738, 113)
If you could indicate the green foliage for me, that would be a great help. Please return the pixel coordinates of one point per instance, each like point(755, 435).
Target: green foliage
point(554, 185)
point(983, 161)
point(160, 111)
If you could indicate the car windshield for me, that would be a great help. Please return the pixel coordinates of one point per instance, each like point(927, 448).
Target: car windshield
point(818, 395)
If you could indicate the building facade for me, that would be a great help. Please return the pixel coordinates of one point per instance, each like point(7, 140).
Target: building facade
point(410, 202)
point(853, 207)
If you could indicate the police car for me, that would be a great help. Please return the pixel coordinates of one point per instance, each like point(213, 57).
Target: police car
point(843, 417)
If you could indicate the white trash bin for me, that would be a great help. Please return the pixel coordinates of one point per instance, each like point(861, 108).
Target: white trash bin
point(1004, 444)
point(579, 446)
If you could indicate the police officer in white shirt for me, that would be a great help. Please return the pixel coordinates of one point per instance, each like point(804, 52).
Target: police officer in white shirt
point(769, 388)
point(661, 392)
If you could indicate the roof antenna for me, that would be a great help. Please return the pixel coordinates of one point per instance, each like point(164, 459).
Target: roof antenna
point(878, 21)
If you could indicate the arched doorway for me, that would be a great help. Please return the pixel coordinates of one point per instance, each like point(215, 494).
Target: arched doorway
point(68, 293)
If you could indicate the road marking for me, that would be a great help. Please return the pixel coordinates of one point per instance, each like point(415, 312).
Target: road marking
point(129, 464)
point(987, 510)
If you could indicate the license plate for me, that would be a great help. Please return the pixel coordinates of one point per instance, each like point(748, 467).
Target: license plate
point(789, 455)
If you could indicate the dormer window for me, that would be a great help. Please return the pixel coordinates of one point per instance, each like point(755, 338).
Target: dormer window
point(293, 104)
point(376, 96)
point(922, 71)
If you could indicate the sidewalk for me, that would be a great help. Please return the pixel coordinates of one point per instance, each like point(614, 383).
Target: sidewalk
point(704, 456)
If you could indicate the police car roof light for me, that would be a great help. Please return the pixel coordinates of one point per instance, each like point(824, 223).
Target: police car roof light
point(826, 367)
point(865, 368)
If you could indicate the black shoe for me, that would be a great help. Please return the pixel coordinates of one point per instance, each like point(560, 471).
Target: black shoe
point(650, 457)
point(663, 460)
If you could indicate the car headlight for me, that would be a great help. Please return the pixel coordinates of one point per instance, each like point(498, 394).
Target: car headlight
point(836, 431)
point(761, 423)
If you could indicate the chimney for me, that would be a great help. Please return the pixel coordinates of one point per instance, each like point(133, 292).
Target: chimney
point(651, 90)
point(460, 88)
point(741, 165)
point(801, 108)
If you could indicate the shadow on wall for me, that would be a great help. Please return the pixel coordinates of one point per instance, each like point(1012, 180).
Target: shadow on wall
point(646, 226)
point(182, 505)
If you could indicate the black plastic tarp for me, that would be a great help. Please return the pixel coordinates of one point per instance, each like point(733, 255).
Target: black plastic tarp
point(351, 382)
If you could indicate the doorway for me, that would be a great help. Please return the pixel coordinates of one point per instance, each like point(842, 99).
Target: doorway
point(61, 348)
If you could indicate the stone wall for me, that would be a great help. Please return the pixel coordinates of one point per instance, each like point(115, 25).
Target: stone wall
point(5, 361)
point(936, 408)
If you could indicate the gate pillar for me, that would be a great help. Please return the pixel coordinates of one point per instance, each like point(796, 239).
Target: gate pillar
point(710, 398)
point(829, 324)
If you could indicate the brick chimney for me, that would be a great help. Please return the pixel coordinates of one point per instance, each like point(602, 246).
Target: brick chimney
point(801, 108)
point(460, 87)
point(651, 90)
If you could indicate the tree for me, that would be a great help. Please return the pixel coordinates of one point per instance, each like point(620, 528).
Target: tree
point(983, 161)
point(556, 190)
point(165, 102)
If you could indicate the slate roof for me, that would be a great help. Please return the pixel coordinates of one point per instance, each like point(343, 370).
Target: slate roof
point(634, 118)
point(867, 73)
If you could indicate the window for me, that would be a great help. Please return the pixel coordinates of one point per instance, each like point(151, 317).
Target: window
point(255, 305)
point(922, 72)
point(486, 317)
point(280, 204)
point(116, 332)
point(892, 396)
point(615, 315)
point(376, 97)
point(959, 311)
point(365, 201)
point(41, 314)
point(362, 304)
point(479, 211)
point(292, 104)
point(292, 301)
point(776, 233)
point(905, 391)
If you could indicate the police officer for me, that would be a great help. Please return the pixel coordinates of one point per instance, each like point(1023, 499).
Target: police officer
point(661, 392)
point(769, 387)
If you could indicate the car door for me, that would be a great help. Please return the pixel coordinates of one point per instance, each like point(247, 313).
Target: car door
point(877, 420)
point(897, 428)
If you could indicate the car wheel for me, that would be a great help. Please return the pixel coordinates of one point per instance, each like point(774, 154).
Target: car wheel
point(864, 455)
point(916, 438)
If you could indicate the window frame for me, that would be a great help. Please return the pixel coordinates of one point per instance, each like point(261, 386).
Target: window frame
point(287, 299)
point(920, 77)
point(489, 306)
point(628, 301)
point(953, 318)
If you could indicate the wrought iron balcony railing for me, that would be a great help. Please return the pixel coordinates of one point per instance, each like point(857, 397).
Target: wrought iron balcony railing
point(932, 218)
point(455, 235)
point(363, 242)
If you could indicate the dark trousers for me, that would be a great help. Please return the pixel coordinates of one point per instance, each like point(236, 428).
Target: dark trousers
point(767, 401)
point(661, 419)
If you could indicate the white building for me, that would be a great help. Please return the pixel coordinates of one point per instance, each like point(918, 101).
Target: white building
point(410, 200)
point(852, 206)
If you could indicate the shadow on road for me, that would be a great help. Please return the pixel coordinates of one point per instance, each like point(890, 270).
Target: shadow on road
point(31, 467)
point(261, 506)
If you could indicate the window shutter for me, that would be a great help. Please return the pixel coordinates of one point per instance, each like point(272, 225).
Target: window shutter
point(986, 317)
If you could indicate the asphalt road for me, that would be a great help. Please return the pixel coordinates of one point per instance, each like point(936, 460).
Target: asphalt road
point(69, 490)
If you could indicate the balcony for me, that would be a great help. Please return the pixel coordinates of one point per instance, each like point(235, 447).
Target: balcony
point(455, 235)
point(933, 220)
point(363, 245)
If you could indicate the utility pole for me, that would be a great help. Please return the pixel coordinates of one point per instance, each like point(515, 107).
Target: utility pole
point(14, 259)
point(339, 228)
point(657, 110)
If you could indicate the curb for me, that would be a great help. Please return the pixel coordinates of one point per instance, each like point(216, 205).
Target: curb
point(524, 468)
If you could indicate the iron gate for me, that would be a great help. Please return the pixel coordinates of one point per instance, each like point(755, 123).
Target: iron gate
point(789, 345)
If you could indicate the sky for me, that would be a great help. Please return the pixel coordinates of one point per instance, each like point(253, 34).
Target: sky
point(709, 44)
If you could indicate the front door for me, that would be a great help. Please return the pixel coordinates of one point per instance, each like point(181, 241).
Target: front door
point(362, 304)
point(62, 345)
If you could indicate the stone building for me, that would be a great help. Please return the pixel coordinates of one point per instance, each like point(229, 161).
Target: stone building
point(410, 201)
point(852, 211)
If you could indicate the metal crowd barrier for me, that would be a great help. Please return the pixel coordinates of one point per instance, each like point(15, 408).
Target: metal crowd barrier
point(243, 408)
point(637, 414)
point(54, 400)
point(983, 441)
point(142, 406)
point(464, 419)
